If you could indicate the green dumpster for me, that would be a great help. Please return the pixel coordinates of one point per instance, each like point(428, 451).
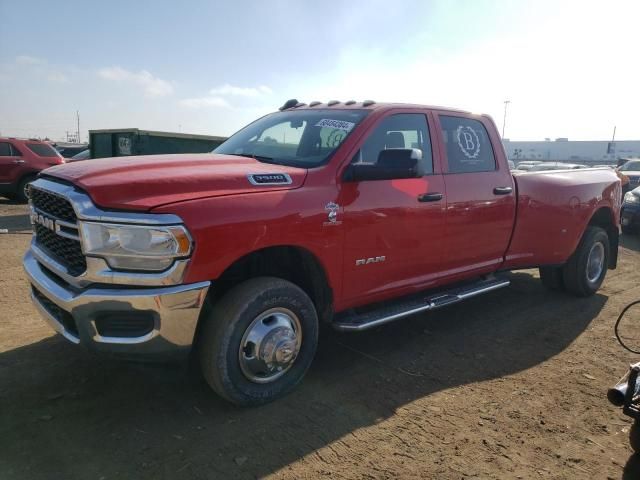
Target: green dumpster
point(132, 141)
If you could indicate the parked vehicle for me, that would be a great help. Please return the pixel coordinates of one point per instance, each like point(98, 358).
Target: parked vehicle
point(527, 164)
point(20, 162)
point(631, 169)
point(630, 219)
point(353, 215)
point(69, 150)
point(512, 166)
point(83, 155)
point(555, 166)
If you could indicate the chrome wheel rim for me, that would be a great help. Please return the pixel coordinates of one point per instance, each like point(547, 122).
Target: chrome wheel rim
point(25, 190)
point(595, 262)
point(270, 345)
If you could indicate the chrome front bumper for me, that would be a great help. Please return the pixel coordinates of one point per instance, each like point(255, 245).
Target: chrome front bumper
point(77, 314)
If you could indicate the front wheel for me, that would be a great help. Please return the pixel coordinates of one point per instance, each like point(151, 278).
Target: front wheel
point(584, 273)
point(258, 341)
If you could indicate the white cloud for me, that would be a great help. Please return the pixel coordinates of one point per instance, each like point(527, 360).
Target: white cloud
point(216, 97)
point(227, 89)
point(28, 60)
point(204, 102)
point(152, 86)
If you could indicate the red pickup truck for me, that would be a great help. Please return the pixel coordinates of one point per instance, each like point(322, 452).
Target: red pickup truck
point(349, 214)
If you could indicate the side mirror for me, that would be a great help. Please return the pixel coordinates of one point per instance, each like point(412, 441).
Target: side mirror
point(393, 164)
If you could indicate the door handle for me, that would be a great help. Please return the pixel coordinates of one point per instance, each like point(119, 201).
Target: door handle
point(502, 190)
point(430, 197)
point(19, 160)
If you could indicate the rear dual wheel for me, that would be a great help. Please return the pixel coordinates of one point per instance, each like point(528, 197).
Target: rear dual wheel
point(258, 341)
point(585, 270)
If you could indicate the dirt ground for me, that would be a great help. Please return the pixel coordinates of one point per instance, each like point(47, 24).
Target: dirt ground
point(508, 385)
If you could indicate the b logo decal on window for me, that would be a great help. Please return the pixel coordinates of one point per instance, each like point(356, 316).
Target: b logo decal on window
point(468, 141)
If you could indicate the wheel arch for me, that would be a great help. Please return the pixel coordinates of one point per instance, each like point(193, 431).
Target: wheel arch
point(292, 263)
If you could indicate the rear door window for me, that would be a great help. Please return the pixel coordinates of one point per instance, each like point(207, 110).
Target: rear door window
point(5, 149)
point(42, 149)
point(468, 145)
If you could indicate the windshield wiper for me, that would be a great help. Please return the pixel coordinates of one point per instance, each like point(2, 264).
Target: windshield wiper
point(251, 155)
point(261, 158)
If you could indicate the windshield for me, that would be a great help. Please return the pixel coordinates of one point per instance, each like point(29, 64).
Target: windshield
point(302, 138)
point(630, 166)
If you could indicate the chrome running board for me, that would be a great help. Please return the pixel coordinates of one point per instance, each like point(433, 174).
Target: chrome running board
point(390, 311)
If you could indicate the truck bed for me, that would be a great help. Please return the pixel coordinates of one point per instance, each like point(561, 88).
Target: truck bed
point(545, 200)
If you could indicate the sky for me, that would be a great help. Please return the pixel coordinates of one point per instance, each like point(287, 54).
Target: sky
point(570, 69)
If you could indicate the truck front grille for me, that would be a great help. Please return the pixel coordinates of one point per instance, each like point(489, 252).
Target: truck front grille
point(51, 204)
point(63, 245)
point(65, 251)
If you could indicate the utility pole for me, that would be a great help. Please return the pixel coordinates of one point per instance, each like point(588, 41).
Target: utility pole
point(78, 131)
point(504, 120)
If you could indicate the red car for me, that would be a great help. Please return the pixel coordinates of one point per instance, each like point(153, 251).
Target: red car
point(20, 162)
point(351, 215)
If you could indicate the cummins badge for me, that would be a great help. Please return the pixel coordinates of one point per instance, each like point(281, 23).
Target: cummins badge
point(332, 212)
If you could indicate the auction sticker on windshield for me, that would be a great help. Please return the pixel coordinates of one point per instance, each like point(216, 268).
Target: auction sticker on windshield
point(339, 124)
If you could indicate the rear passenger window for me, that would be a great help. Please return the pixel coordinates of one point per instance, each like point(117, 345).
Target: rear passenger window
point(15, 152)
point(403, 130)
point(468, 145)
point(5, 149)
point(42, 150)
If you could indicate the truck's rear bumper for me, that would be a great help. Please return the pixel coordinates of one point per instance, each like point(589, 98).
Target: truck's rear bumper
point(132, 321)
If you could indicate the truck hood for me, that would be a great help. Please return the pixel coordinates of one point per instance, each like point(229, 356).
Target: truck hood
point(145, 182)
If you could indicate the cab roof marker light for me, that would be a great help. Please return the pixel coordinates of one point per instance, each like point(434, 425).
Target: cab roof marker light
point(331, 103)
point(300, 104)
point(350, 102)
point(288, 104)
point(368, 103)
point(315, 103)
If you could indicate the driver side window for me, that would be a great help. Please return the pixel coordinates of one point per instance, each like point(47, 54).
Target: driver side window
point(403, 130)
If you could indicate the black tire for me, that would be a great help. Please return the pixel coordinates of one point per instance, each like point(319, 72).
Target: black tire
point(634, 437)
point(224, 328)
point(21, 195)
point(575, 271)
point(551, 278)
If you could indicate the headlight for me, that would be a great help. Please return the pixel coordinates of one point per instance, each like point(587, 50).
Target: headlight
point(133, 247)
point(629, 197)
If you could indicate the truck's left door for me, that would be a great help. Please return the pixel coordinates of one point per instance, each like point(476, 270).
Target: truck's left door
point(394, 229)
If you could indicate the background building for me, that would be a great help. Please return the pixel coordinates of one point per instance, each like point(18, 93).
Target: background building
point(561, 149)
